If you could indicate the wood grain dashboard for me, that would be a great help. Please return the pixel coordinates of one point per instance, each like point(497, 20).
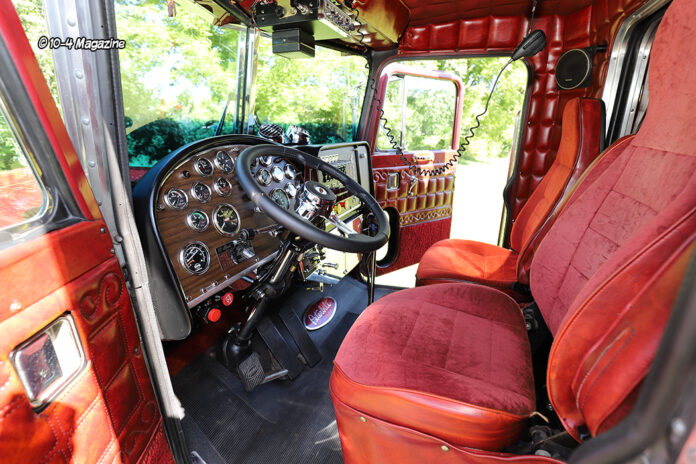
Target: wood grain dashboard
point(176, 230)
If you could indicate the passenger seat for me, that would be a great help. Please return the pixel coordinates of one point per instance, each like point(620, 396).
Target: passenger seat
point(454, 260)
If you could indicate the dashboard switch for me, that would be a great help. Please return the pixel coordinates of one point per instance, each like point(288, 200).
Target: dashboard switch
point(227, 298)
point(213, 315)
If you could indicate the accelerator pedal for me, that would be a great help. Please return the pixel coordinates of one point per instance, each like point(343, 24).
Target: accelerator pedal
point(299, 334)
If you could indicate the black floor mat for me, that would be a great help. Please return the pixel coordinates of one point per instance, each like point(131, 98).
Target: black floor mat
point(282, 421)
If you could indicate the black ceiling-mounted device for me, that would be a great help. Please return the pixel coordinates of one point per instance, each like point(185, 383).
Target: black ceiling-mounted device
point(310, 20)
point(574, 68)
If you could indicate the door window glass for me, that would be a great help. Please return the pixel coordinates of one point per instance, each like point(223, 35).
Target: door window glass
point(22, 197)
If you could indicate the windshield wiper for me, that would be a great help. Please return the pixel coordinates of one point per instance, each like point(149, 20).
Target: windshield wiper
point(218, 130)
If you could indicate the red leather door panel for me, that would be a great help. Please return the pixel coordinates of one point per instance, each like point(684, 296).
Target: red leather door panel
point(108, 411)
point(419, 206)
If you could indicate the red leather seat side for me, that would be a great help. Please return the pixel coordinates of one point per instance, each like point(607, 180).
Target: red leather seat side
point(465, 260)
point(449, 360)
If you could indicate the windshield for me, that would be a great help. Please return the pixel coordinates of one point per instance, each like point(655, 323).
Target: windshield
point(179, 74)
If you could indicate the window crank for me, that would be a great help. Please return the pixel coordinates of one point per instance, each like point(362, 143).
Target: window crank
point(414, 181)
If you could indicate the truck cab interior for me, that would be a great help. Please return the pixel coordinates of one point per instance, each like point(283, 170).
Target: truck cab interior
point(192, 261)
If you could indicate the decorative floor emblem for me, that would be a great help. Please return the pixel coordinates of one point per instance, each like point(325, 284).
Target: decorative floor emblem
point(320, 313)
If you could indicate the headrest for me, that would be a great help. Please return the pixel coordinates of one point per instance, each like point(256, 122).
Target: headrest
point(670, 123)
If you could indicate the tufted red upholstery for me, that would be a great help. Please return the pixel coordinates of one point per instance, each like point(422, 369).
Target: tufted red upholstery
point(497, 34)
point(384, 369)
point(604, 277)
point(465, 260)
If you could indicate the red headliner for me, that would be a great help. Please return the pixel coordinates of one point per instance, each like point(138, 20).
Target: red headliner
point(437, 11)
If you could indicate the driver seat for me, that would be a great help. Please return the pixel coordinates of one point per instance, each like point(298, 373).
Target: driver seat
point(443, 373)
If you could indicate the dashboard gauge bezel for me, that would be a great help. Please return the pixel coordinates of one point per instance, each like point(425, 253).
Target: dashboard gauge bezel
point(189, 220)
point(170, 204)
point(258, 177)
point(198, 169)
point(289, 171)
point(219, 165)
point(281, 191)
point(280, 174)
point(217, 189)
point(215, 223)
point(195, 195)
point(182, 260)
point(294, 189)
point(266, 160)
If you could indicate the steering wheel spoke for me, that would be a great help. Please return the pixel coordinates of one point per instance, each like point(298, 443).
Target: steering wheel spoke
point(340, 225)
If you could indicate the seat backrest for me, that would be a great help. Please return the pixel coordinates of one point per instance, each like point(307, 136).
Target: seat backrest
point(582, 139)
point(607, 271)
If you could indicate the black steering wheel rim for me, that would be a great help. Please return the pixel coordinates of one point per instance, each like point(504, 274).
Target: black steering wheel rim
point(356, 243)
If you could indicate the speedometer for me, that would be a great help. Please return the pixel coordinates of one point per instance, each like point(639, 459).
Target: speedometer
point(224, 162)
point(226, 219)
point(280, 198)
point(195, 258)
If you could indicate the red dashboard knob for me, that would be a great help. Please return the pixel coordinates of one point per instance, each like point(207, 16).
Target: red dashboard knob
point(213, 315)
point(227, 298)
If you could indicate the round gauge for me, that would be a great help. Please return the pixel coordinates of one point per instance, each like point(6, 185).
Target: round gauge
point(291, 190)
point(203, 167)
point(290, 172)
point(222, 186)
point(263, 177)
point(224, 162)
point(277, 173)
point(201, 192)
point(176, 198)
point(226, 219)
point(197, 220)
point(266, 160)
point(280, 198)
point(195, 258)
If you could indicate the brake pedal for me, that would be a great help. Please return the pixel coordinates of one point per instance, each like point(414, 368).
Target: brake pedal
point(250, 372)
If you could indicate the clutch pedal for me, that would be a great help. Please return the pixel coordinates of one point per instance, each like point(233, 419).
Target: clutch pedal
point(250, 372)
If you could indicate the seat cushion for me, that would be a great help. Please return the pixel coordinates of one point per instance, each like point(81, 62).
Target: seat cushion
point(449, 360)
point(468, 261)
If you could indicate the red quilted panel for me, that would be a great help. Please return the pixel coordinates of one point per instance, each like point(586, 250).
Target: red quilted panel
point(109, 413)
point(593, 24)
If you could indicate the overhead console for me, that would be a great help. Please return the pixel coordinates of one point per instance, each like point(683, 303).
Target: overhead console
point(296, 25)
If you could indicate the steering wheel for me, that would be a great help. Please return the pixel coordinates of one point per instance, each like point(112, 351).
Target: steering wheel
point(313, 200)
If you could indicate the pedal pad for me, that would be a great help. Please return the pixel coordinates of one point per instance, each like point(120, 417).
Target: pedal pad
point(250, 372)
point(281, 350)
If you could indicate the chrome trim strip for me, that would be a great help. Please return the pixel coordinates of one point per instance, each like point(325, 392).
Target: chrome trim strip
point(618, 53)
point(213, 290)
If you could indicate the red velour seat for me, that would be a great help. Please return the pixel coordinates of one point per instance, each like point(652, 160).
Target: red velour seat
point(442, 373)
point(465, 260)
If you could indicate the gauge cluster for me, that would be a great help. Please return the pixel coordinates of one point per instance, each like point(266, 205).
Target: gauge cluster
point(201, 209)
point(278, 178)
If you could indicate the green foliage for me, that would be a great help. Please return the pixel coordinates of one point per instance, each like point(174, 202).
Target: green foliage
point(31, 14)
point(324, 95)
point(430, 107)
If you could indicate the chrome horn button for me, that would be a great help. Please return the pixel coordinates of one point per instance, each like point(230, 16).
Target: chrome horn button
point(315, 200)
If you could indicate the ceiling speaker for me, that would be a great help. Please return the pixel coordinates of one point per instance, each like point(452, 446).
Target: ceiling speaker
point(574, 68)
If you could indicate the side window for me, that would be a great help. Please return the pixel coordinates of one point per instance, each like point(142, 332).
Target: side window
point(420, 112)
point(22, 196)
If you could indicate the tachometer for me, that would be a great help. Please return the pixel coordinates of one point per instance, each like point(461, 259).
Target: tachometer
point(197, 220)
point(195, 258)
point(280, 198)
point(224, 162)
point(226, 219)
point(201, 192)
point(203, 167)
point(263, 177)
point(176, 198)
point(222, 186)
